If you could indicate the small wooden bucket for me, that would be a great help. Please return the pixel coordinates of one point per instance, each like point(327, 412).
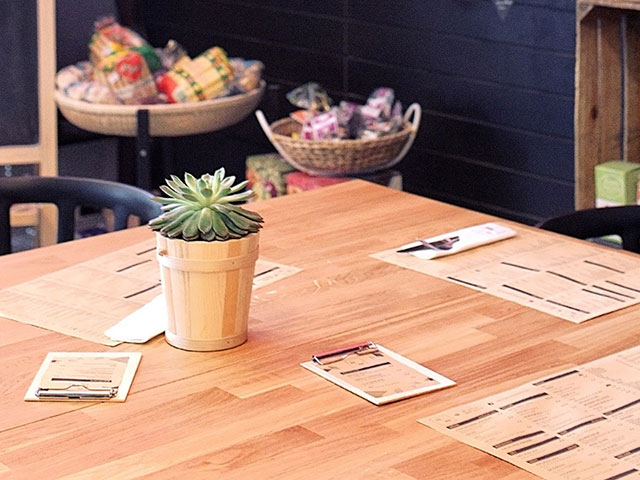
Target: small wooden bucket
point(207, 287)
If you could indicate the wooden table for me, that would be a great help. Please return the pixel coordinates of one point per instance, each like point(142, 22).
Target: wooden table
point(253, 411)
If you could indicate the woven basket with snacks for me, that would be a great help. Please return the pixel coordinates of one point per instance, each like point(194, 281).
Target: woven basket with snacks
point(125, 76)
point(165, 120)
point(341, 157)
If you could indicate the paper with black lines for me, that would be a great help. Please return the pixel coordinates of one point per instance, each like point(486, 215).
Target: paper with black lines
point(86, 299)
point(375, 373)
point(573, 280)
point(582, 423)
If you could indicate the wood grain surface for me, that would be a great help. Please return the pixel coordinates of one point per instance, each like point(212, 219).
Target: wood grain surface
point(253, 411)
point(623, 4)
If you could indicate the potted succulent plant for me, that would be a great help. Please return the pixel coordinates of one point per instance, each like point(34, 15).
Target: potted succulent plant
point(207, 246)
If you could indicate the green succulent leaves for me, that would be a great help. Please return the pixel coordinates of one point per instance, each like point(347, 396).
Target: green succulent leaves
point(205, 208)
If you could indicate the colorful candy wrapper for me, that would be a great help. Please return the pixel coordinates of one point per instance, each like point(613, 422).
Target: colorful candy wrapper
point(171, 54)
point(89, 91)
point(321, 127)
point(202, 78)
point(371, 113)
point(345, 111)
point(246, 75)
point(79, 72)
point(310, 96)
point(382, 99)
point(128, 75)
point(301, 116)
point(379, 116)
point(111, 37)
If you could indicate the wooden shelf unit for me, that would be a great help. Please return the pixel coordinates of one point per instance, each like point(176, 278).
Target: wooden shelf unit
point(607, 96)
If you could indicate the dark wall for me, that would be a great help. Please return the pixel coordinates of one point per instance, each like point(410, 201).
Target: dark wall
point(496, 93)
point(19, 51)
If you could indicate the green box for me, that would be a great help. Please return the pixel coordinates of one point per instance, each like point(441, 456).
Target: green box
point(616, 183)
point(266, 175)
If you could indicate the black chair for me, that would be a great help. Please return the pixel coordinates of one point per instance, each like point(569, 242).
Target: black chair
point(68, 193)
point(598, 222)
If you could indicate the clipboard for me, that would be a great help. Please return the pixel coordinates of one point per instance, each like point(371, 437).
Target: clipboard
point(84, 376)
point(375, 373)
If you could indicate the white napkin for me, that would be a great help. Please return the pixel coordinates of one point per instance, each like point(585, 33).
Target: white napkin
point(458, 241)
point(141, 325)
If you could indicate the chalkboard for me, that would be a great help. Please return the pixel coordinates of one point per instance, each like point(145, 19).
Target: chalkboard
point(19, 73)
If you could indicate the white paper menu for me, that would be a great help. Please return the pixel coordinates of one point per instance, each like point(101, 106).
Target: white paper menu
point(84, 376)
point(86, 299)
point(376, 373)
point(582, 423)
point(572, 280)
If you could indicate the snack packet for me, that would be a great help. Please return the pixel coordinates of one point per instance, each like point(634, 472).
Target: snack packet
point(128, 75)
point(381, 100)
point(246, 75)
point(171, 54)
point(111, 37)
point(90, 91)
point(322, 126)
point(202, 78)
point(79, 72)
point(310, 96)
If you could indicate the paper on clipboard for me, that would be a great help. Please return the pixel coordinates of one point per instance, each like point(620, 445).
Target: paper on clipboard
point(376, 373)
point(84, 376)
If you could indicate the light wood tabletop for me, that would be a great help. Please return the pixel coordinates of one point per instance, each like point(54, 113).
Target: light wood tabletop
point(253, 411)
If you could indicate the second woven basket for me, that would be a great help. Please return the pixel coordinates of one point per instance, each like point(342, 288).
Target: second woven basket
point(341, 157)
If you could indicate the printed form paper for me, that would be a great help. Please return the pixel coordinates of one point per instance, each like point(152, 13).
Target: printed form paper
point(87, 299)
point(579, 424)
point(84, 376)
point(375, 373)
point(576, 281)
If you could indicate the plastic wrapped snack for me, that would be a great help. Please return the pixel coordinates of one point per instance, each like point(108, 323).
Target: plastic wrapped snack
point(202, 78)
point(379, 116)
point(124, 68)
point(310, 96)
point(128, 75)
point(110, 37)
point(381, 100)
point(77, 82)
point(79, 72)
point(322, 126)
point(246, 75)
point(92, 92)
point(171, 54)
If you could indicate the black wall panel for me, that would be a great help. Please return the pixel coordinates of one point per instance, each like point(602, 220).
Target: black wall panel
point(497, 93)
point(19, 92)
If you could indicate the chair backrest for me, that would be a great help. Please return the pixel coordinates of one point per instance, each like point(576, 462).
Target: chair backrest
point(68, 193)
point(598, 222)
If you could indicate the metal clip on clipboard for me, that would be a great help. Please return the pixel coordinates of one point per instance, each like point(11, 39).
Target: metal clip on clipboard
point(333, 356)
point(77, 391)
point(84, 376)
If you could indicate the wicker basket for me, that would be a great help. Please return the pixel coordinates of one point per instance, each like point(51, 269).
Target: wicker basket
point(165, 120)
point(341, 157)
